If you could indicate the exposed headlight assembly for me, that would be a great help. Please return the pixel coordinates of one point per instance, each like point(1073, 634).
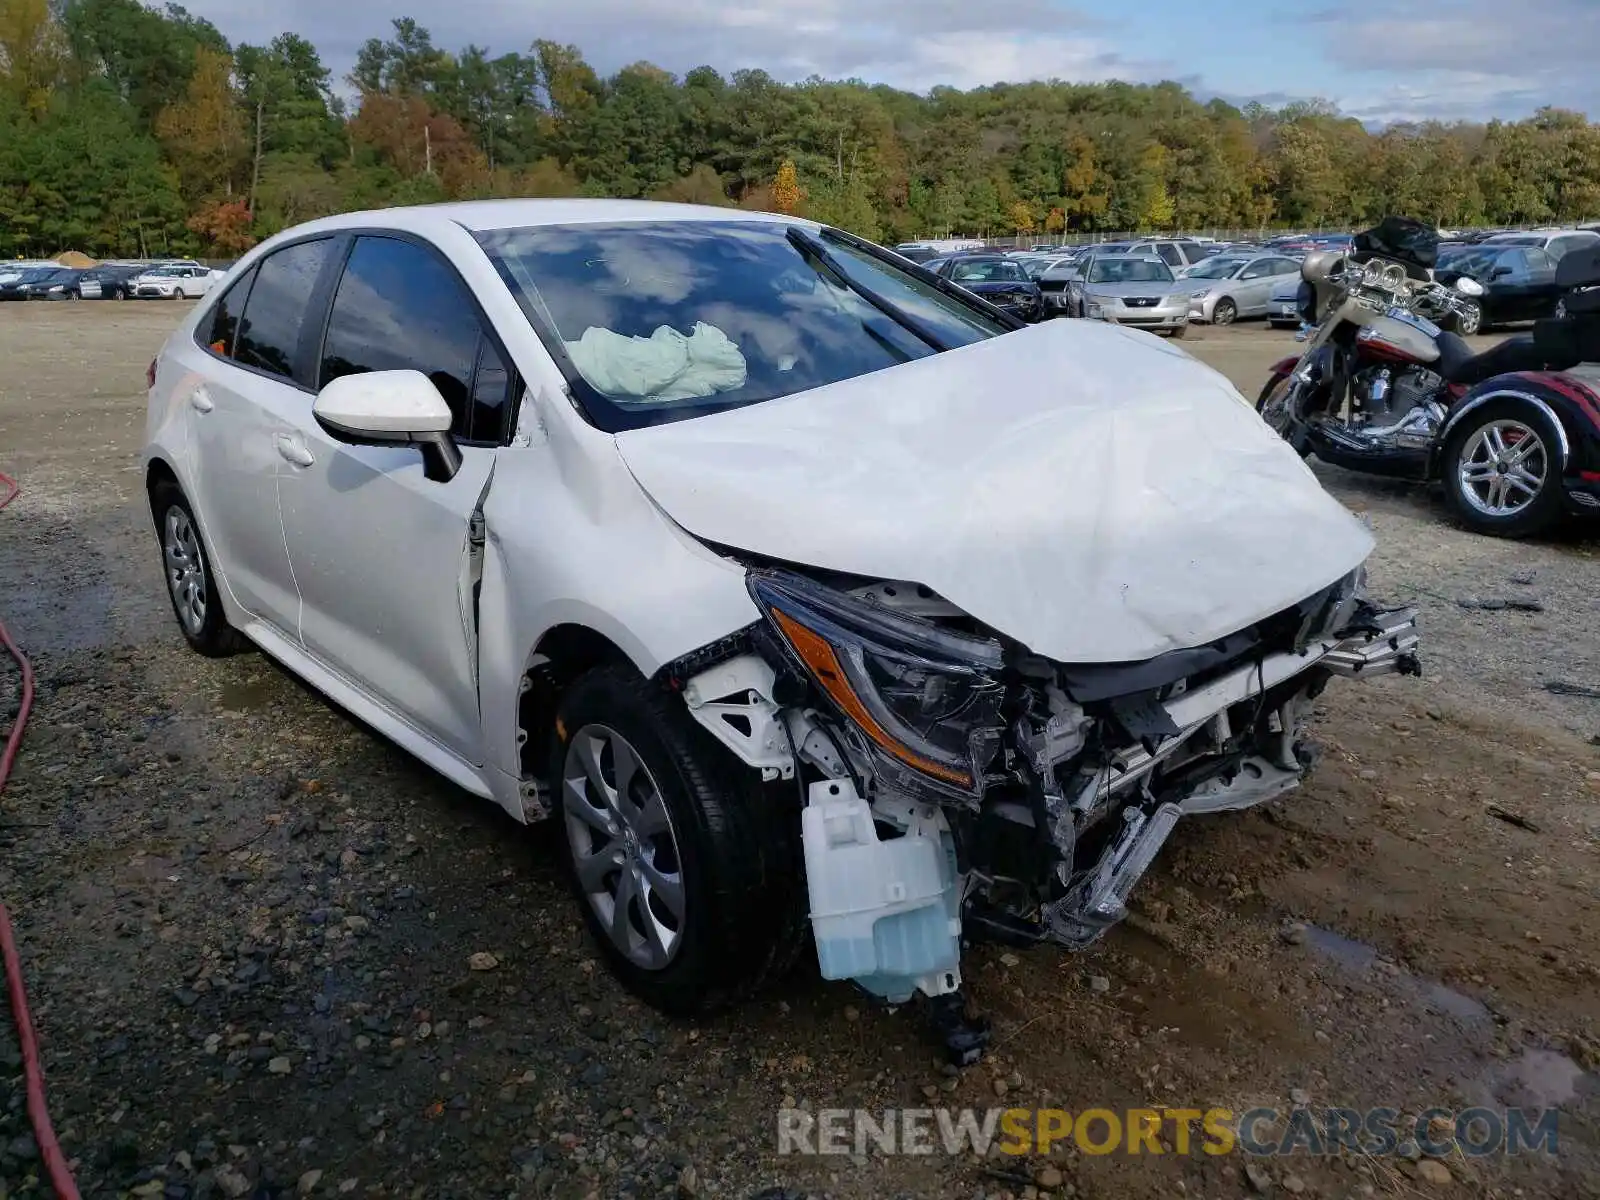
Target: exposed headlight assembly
point(925, 700)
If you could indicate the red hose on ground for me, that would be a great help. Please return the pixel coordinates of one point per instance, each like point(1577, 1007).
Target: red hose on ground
point(55, 1163)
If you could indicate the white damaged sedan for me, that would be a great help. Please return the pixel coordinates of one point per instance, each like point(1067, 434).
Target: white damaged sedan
point(806, 603)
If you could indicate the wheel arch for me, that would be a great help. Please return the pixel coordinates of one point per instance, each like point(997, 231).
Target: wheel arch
point(1564, 412)
point(157, 472)
point(563, 653)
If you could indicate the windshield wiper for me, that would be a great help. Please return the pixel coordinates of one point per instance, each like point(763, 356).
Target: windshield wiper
point(814, 249)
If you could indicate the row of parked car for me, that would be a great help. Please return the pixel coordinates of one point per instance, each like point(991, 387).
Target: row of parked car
point(178, 279)
point(1156, 284)
point(1164, 284)
point(1516, 268)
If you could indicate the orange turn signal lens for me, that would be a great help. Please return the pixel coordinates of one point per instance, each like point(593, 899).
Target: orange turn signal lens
point(823, 661)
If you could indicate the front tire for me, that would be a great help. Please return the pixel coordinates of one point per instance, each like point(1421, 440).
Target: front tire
point(191, 583)
point(687, 868)
point(1469, 320)
point(1502, 470)
point(1226, 312)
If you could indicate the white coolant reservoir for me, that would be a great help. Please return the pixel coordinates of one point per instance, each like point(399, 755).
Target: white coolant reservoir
point(884, 912)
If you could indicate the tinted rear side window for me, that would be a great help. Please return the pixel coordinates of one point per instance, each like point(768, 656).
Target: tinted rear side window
point(275, 314)
point(219, 333)
point(399, 307)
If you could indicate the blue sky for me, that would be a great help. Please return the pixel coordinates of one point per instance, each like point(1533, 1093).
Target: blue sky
point(1380, 60)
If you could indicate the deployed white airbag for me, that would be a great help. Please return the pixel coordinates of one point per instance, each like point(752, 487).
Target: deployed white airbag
point(663, 367)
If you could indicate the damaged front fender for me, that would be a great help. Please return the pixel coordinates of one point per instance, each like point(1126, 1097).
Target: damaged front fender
point(1078, 776)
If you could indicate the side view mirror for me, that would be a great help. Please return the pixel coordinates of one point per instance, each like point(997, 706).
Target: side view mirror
point(1500, 272)
point(1469, 286)
point(391, 408)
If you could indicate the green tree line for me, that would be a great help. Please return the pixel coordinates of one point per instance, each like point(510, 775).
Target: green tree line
point(127, 129)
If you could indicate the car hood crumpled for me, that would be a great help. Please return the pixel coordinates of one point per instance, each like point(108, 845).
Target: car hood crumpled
point(1092, 492)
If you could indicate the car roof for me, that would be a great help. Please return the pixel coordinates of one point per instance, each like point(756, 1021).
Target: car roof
point(484, 215)
point(1531, 236)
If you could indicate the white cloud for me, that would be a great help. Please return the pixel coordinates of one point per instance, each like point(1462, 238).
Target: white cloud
point(915, 44)
point(1465, 59)
point(1380, 60)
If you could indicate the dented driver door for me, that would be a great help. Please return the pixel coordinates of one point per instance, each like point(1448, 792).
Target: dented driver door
point(385, 557)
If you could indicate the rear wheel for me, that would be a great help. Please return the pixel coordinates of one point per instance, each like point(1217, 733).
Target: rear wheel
point(686, 866)
point(1225, 313)
point(1502, 470)
point(191, 584)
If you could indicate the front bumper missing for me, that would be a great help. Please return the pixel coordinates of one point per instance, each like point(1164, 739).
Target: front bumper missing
point(1377, 643)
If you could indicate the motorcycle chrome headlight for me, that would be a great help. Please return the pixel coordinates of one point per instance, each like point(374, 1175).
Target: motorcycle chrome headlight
point(921, 697)
point(1385, 276)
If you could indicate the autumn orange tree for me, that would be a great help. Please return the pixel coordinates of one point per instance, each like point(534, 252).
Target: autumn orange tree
point(407, 134)
point(32, 51)
point(786, 194)
point(225, 226)
point(203, 133)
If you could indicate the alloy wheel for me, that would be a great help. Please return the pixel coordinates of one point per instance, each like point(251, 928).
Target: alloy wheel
point(1470, 319)
point(186, 569)
point(1224, 312)
point(624, 847)
point(1502, 468)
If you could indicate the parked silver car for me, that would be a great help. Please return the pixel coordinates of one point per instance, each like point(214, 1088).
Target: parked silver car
point(1283, 307)
point(1134, 289)
point(1230, 286)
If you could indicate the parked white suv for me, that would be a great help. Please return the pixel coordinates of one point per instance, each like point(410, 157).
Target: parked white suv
point(806, 602)
point(1177, 254)
point(173, 281)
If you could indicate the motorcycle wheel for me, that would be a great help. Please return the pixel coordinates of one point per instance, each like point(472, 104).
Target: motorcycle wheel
point(1469, 320)
point(1502, 471)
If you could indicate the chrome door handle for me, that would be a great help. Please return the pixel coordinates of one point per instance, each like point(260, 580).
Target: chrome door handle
point(292, 449)
point(201, 401)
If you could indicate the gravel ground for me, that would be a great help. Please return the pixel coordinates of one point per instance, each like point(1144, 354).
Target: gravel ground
point(249, 925)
